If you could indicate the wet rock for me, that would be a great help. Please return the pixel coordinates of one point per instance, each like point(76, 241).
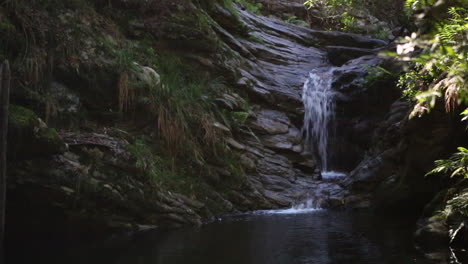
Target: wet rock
point(67, 102)
point(275, 183)
point(338, 55)
point(358, 201)
point(269, 166)
point(334, 38)
point(433, 233)
point(285, 8)
point(116, 145)
point(307, 166)
point(350, 78)
point(283, 141)
point(372, 171)
point(459, 235)
point(361, 106)
point(278, 198)
point(271, 122)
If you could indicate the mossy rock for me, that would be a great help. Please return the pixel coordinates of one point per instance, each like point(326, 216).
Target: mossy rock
point(28, 136)
point(22, 118)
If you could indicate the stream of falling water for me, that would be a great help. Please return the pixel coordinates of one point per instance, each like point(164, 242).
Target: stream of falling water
point(319, 107)
point(319, 114)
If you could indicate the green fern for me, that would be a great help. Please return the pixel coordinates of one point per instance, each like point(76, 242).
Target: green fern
point(456, 165)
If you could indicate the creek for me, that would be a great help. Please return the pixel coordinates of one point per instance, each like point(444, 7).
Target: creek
point(266, 237)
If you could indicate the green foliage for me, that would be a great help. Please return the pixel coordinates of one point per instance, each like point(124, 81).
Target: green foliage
point(178, 111)
point(438, 57)
point(409, 83)
point(162, 171)
point(154, 167)
point(413, 5)
point(354, 15)
point(441, 68)
point(240, 117)
point(296, 21)
point(22, 117)
point(459, 204)
point(253, 7)
point(335, 13)
point(349, 22)
point(334, 3)
point(375, 74)
point(465, 115)
point(188, 123)
point(456, 165)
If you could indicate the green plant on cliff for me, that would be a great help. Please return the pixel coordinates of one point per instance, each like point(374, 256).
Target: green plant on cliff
point(456, 165)
point(76, 40)
point(296, 21)
point(355, 15)
point(440, 64)
point(459, 204)
point(152, 165)
point(250, 5)
point(438, 57)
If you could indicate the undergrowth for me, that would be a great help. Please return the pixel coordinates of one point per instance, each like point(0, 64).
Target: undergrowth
point(438, 66)
point(355, 15)
point(185, 127)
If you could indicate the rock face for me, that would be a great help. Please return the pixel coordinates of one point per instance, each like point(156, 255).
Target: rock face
point(274, 73)
point(391, 177)
point(403, 152)
point(285, 8)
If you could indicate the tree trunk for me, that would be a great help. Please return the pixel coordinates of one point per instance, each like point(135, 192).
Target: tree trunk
point(4, 104)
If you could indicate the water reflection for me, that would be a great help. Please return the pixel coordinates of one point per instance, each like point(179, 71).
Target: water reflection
point(317, 237)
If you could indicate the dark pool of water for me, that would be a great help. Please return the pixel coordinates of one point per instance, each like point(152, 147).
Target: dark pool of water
point(317, 237)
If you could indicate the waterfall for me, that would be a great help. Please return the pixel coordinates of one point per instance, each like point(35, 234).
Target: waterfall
point(319, 114)
point(319, 108)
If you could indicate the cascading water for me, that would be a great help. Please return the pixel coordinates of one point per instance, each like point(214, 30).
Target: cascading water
point(319, 107)
point(319, 114)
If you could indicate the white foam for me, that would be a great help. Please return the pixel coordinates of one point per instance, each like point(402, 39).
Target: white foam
point(305, 207)
point(288, 211)
point(333, 175)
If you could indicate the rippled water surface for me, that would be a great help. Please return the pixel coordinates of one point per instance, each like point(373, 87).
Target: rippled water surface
point(266, 237)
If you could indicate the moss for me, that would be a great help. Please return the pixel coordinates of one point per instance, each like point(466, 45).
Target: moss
point(252, 7)
point(50, 136)
point(6, 25)
point(22, 118)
